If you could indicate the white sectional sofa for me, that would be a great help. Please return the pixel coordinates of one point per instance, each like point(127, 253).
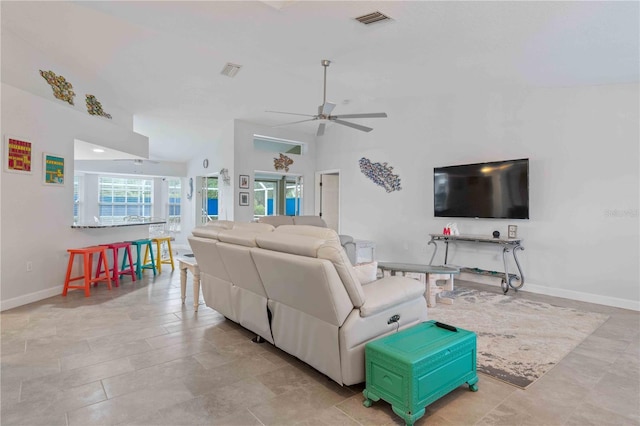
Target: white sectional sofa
point(295, 287)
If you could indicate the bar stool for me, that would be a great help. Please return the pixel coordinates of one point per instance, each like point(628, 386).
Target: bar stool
point(159, 260)
point(87, 254)
point(140, 266)
point(115, 247)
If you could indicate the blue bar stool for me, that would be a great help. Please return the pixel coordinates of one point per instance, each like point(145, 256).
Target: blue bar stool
point(140, 265)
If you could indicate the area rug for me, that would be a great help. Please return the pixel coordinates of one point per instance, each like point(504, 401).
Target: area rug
point(518, 340)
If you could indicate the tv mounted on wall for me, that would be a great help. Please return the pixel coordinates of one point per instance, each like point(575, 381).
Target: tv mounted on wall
point(495, 190)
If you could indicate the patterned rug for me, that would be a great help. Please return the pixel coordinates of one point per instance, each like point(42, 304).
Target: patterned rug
point(518, 340)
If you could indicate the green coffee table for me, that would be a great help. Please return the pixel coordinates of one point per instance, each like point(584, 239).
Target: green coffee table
point(415, 367)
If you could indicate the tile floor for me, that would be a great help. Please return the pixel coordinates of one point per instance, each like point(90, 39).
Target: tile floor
point(136, 356)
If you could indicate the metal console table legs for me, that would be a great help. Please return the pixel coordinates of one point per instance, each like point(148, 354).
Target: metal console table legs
point(514, 281)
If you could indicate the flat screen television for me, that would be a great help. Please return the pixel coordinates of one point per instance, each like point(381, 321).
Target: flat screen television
point(495, 190)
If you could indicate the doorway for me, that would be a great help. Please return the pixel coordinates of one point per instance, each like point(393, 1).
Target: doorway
point(276, 195)
point(328, 199)
point(208, 195)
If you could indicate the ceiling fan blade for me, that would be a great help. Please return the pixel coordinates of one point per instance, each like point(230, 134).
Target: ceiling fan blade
point(327, 108)
point(321, 129)
point(365, 115)
point(295, 122)
point(354, 125)
point(291, 113)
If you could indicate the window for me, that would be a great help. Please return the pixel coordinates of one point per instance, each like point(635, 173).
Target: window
point(212, 197)
point(266, 143)
point(76, 199)
point(279, 196)
point(122, 197)
point(175, 192)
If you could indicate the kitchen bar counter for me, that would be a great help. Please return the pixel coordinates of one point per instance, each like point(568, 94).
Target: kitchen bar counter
point(117, 225)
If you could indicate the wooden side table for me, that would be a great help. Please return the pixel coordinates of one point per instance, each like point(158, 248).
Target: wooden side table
point(191, 265)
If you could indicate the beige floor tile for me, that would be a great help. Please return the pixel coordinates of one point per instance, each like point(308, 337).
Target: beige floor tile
point(102, 342)
point(169, 353)
point(617, 393)
point(107, 354)
point(152, 377)
point(51, 408)
point(379, 413)
point(591, 415)
point(128, 407)
point(213, 379)
point(327, 417)
point(295, 405)
point(43, 387)
point(286, 379)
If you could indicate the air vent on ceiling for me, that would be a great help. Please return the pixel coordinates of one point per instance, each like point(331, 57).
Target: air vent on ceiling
point(370, 18)
point(230, 70)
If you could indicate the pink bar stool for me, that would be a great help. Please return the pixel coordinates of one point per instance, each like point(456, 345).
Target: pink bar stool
point(117, 274)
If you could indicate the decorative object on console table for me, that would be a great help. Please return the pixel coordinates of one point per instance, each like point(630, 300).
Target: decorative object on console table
point(513, 231)
point(244, 181)
point(52, 169)
point(496, 234)
point(17, 155)
point(417, 366)
point(244, 198)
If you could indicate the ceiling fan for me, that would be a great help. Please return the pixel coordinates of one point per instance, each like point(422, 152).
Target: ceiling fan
point(324, 112)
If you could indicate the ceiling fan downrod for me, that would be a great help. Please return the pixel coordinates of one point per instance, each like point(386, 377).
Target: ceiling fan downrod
point(325, 63)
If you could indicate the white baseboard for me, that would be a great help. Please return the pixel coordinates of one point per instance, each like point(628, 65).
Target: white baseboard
point(598, 299)
point(31, 297)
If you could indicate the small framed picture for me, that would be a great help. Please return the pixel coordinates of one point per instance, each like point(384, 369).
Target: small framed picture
point(52, 169)
point(17, 156)
point(244, 181)
point(513, 231)
point(244, 198)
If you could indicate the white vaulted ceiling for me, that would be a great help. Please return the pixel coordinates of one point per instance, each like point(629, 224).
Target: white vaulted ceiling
point(162, 60)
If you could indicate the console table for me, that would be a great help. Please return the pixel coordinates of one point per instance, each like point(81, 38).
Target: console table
point(508, 245)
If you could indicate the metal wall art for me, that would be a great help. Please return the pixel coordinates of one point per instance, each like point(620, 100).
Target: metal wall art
point(282, 163)
point(380, 174)
point(94, 107)
point(62, 89)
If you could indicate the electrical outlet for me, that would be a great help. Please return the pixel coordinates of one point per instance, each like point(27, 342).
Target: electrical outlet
point(29, 266)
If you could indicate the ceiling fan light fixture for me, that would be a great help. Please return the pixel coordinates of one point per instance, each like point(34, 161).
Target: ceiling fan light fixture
point(372, 17)
point(230, 70)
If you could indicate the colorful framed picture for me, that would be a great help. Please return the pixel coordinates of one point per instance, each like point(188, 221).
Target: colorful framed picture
point(244, 181)
point(52, 169)
point(244, 198)
point(18, 155)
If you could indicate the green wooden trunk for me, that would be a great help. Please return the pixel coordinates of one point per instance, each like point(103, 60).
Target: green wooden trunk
point(414, 367)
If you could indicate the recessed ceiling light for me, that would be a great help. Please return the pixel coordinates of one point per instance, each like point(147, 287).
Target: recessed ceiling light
point(98, 150)
point(230, 70)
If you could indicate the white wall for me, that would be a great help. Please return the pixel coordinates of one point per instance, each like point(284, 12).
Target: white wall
point(248, 160)
point(36, 218)
point(582, 240)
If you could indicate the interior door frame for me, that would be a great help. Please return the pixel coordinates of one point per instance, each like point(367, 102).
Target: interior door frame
point(318, 189)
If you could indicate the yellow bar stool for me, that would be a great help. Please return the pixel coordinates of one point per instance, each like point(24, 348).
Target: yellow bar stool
point(159, 259)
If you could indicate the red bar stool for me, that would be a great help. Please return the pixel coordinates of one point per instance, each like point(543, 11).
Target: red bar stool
point(115, 247)
point(87, 255)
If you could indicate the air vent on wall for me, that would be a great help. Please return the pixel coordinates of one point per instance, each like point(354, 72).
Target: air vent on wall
point(230, 70)
point(370, 18)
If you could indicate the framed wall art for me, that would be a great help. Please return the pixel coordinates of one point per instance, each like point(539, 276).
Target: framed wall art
point(52, 169)
point(17, 155)
point(244, 181)
point(244, 198)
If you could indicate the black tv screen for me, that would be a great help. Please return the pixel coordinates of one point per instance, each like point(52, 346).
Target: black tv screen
point(496, 190)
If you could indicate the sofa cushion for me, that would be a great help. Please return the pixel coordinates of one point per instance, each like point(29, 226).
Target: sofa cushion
point(239, 236)
point(253, 226)
point(224, 224)
point(333, 251)
point(390, 291)
point(290, 243)
point(276, 220)
point(207, 231)
point(366, 272)
point(309, 231)
point(309, 220)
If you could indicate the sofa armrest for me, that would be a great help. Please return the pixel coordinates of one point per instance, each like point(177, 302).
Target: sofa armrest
point(389, 291)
